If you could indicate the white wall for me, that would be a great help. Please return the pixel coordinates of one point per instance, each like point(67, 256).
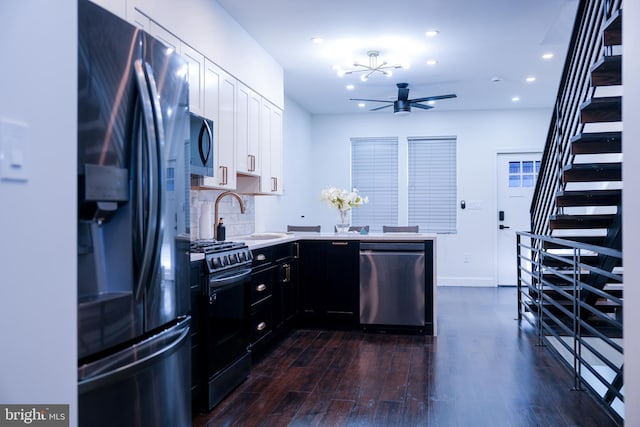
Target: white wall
point(38, 360)
point(480, 136)
point(631, 205)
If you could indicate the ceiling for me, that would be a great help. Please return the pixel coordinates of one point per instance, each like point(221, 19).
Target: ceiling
point(479, 42)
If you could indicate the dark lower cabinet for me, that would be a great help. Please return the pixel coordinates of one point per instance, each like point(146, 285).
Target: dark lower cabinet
point(328, 283)
point(198, 371)
point(274, 290)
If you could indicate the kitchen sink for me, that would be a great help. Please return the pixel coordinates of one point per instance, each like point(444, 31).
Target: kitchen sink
point(264, 236)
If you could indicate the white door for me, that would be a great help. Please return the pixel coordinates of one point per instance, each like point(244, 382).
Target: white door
point(517, 175)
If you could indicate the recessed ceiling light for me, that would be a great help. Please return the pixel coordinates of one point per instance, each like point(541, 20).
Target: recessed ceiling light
point(431, 62)
point(317, 40)
point(432, 102)
point(350, 87)
point(432, 33)
point(515, 99)
point(361, 104)
point(530, 79)
point(547, 55)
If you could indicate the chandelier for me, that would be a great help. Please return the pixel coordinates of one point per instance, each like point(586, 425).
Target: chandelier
point(371, 68)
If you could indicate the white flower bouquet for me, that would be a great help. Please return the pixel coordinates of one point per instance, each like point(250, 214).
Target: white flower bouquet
point(343, 200)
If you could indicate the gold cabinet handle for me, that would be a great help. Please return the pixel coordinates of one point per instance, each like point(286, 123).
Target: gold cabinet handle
point(261, 287)
point(261, 326)
point(274, 183)
point(339, 243)
point(225, 175)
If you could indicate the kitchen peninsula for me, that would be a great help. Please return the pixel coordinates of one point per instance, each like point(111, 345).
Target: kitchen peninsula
point(317, 278)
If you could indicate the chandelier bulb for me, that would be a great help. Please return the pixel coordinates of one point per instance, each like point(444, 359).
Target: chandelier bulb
point(364, 77)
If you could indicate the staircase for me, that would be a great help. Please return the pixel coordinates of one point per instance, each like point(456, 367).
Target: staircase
point(570, 264)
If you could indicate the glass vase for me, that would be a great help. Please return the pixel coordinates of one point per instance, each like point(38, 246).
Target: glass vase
point(343, 226)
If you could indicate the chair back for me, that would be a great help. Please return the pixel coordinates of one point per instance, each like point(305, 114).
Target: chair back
point(309, 228)
point(400, 228)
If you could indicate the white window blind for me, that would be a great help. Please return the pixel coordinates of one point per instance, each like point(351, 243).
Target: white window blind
point(374, 172)
point(432, 194)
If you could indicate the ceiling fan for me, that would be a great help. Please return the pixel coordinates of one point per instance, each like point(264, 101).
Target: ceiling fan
point(403, 104)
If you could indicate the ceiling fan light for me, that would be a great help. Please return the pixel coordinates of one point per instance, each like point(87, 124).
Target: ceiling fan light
point(341, 72)
point(364, 77)
point(401, 107)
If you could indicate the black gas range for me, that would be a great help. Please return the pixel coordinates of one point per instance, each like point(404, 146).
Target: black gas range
point(222, 256)
point(224, 323)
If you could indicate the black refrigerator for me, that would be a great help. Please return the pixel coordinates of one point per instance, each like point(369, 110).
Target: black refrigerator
point(134, 362)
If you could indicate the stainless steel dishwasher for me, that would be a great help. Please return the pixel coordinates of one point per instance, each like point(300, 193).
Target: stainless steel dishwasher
point(392, 285)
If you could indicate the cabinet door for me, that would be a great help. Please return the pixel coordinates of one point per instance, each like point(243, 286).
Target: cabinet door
point(311, 279)
point(288, 283)
point(341, 287)
point(161, 34)
point(226, 126)
point(247, 130)
point(265, 133)
point(195, 61)
point(219, 102)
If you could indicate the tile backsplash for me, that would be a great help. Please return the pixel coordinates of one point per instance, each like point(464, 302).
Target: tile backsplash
point(202, 210)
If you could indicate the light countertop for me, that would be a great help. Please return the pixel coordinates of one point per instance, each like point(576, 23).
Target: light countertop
point(262, 240)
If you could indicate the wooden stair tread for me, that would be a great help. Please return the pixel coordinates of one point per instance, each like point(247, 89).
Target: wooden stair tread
point(557, 222)
point(601, 109)
point(612, 34)
point(588, 198)
point(591, 172)
point(607, 71)
point(596, 143)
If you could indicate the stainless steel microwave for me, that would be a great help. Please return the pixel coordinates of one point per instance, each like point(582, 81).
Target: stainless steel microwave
point(202, 144)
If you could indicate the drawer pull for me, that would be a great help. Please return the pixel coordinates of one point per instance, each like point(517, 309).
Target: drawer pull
point(260, 257)
point(339, 243)
point(261, 287)
point(261, 326)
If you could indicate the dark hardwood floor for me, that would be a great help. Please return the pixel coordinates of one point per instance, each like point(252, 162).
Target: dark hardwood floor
point(483, 369)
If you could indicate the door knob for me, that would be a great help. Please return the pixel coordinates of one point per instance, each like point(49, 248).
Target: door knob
point(502, 226)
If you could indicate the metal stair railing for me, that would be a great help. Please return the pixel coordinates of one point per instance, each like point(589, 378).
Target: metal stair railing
point(586, 337)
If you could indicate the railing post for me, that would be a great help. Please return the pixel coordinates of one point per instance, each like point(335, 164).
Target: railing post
point(519, 275)
point(577, 280)
point(539, 286)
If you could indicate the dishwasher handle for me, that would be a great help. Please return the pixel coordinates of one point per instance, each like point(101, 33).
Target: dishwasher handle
point(392, 246)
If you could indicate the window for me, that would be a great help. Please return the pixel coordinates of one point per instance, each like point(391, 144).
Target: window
point(432, 193)
point(523, 174)
point(374, 172)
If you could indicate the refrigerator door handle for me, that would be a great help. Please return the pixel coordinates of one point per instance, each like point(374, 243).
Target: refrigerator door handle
point(157, 147)
point(133, 359)
point(147, 219)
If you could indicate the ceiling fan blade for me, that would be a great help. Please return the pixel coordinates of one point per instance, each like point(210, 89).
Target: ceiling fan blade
point(433, 98)
point(424, 107)
point(371, 100)
point(380, 108)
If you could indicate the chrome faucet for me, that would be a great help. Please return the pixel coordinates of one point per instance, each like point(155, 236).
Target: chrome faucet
point(215, 209)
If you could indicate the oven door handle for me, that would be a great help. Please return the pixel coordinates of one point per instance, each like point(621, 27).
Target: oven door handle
point(224, 281)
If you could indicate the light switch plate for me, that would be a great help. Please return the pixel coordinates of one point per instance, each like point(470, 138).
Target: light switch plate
point(14, 136)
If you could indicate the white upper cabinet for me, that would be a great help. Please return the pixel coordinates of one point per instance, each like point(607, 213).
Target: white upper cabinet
point(248, 105)
point(271, 177)
point(195, 61)
point(219, 106)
